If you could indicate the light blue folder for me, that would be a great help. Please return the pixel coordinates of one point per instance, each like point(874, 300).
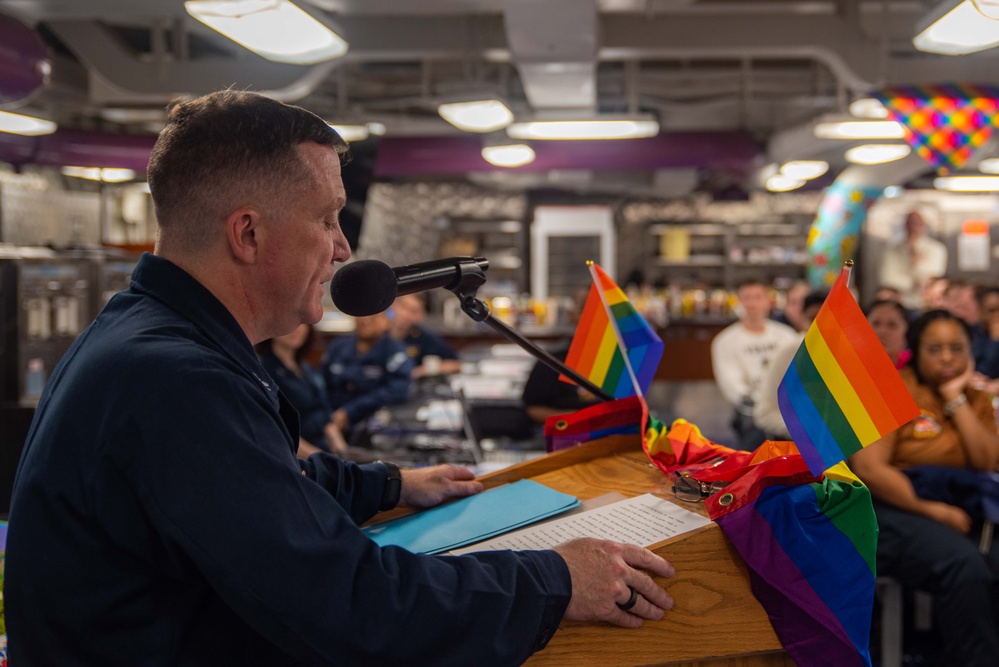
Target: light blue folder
point(472, 519)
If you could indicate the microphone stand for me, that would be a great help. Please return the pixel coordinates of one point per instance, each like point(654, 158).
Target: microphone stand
point(469, 280)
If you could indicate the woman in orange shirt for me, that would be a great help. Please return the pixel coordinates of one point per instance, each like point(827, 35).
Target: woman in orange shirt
point(932, 544)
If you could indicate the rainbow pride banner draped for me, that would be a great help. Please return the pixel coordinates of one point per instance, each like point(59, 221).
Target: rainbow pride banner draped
point(614, 347)
point(624, 416)
point(943, 123)
point(808, 541)
point(841, 391)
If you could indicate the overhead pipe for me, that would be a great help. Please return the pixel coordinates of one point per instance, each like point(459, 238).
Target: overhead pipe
point(25, 65)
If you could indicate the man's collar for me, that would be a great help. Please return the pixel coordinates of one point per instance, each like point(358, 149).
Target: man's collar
point(170, 284)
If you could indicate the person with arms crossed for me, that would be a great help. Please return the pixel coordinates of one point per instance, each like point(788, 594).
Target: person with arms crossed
point(740, 358)
point(160, 515)
point(912, 261)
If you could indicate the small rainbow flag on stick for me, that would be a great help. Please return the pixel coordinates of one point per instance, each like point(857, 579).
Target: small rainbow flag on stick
point(614, 348)
point(841, 391)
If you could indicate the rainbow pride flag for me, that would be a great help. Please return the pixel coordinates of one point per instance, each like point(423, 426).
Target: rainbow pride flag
point(614, 347)
point(841, 391)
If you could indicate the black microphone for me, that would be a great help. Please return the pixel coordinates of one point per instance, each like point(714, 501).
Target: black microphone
point(367, 286)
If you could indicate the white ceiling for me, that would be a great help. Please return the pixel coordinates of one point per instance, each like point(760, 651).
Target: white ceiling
point(759, 66)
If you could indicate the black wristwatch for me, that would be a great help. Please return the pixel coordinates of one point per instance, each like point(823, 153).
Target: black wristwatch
point(393, 486)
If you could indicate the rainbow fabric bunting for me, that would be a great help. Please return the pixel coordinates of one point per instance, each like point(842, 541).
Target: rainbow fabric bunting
point(944, 123)
point(808, 541)
point(614, 347)
point(841, 391)
point(624, 416)
point(810, 549)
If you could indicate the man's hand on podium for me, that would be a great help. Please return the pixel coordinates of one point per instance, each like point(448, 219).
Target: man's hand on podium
point(429, 487)
point(602, 573)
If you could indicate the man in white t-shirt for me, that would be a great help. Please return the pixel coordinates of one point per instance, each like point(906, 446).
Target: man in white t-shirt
point(741, 356)
point(914, 260)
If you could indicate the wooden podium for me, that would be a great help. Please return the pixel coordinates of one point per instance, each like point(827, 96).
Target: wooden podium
point(715, 622)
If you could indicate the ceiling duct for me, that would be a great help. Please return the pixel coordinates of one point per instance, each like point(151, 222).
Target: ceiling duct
point(24, 61)
point(554, 45)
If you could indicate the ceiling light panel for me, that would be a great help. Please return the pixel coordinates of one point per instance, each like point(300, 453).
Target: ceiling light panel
point(477, 116)
point(273, 29)
point(960, 29)
point(584, 129)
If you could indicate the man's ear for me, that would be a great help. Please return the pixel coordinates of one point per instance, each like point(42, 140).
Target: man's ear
point(241, 229)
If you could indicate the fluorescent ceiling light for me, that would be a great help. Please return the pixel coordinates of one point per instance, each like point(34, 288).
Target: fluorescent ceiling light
point(877, 153)
point(967, 183)
point(804, 170)
point(478, 116)
point(273, 29)
point(30, 126)
point(859, 129)
point(376, 128)
point(584, 129)
point(989, 165)
point(108, 174)
point(781, 183)
point(511, 155)
point(988, 8)
point(351, 133)
point(960, 29)
point(868, 107)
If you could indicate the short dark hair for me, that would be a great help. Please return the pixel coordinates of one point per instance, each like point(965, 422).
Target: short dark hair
point(301, 354)
point(814, 298)
point(752, 280)
point(891, 303)
point(916, 330)
point(983, 291)
point(218, 149)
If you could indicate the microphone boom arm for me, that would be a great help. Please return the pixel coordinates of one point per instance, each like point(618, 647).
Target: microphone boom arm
point(470, 280)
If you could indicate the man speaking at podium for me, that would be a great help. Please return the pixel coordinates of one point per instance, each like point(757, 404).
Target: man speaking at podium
point(160, 516)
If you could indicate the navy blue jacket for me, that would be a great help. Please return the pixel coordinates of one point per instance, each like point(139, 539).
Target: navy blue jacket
point(419, 343)
point(361, 384)
point(307, 395)
point(160, 517)
point(985, 352)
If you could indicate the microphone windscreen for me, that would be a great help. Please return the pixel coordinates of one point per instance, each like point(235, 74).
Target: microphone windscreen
point(364, 287)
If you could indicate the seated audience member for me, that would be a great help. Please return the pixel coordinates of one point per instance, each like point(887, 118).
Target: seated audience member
point(283, 359)
point(931, 542)
point(766, 412)
point(890, 321)
point(365, 371)
point(741, 355)
point(545, 395)
point(886, 293)
point(985, 335)
point(933, 293)
point(792, 315)
point(407, 314)
point(959, 300)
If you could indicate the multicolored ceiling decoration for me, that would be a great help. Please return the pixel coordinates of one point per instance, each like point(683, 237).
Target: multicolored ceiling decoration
point(943, 123)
